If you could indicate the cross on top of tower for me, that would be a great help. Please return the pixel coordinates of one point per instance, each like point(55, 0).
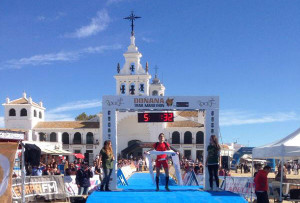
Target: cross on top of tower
point(132, 18)
point(156, 71)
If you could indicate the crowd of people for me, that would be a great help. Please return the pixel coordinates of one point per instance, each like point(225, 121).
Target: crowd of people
point(103, 166)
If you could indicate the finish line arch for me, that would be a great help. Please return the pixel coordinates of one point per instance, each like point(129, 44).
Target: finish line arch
point(113, 104)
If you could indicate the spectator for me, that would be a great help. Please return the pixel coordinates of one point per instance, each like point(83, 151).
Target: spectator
point(212, 160)
point(46, 171)
point(289, 167)
point(83, 179)
point(295, 168)
point(257, 168)
point(222, 172)
point(73, 169)
point(278, 175)
point(37, 171)
point(55, 170)
point(241, 167)
point(197, 170)
point(66, 166)
point(107, 158)
point(261, 185)
point(140, 163)
point(98, 170)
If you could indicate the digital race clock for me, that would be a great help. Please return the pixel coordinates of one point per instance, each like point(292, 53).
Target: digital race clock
point(155, 117)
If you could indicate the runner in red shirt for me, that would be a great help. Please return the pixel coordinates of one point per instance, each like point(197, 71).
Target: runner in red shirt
point(161, 160)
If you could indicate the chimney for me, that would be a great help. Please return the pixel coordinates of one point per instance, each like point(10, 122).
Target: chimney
point(7, 100)
point(30, 100)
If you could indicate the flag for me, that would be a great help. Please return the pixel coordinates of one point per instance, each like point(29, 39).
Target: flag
point(7, 158)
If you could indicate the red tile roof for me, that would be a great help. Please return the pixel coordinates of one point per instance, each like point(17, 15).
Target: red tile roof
point(67, 124)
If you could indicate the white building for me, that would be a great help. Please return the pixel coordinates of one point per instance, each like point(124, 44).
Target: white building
point(186, 133)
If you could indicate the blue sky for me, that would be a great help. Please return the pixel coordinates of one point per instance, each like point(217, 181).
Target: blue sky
point(65, 53)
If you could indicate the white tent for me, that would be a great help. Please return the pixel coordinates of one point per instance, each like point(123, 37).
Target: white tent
point(286, 148)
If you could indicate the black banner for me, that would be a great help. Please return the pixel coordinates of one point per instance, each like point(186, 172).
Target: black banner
point(39, 188)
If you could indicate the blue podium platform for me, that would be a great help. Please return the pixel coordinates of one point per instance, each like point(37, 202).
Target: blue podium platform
point(141, 189)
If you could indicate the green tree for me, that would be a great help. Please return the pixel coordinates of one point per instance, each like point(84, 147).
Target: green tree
point(84, 117)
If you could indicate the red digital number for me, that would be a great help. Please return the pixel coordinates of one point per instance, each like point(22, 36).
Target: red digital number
point(170, 117)
point(165, 117)
point(146, 117)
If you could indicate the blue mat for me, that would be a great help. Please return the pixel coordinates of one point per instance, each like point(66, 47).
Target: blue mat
point(141, 189)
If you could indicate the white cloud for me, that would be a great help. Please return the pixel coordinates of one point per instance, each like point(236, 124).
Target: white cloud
point(58, 113)
point(58, 117)
point(148, 40)
point(62, 56)
point(113, 1)
point(1, 122)
point(41, 18)
point(235, 117)
point(77, 105)
point(97, 24)
point(41, 59)
point(57, 16)
point(100, 49)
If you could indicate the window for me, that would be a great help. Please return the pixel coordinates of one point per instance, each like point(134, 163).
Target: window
point(42, 137)
point(89, 138)
point(187, 154)
point(200, 137)
point(76, 151)
point(53, 137)
point(187, 137)
point(65, 138)
point(123, 89)
point(155, 93)
point(175, 137)
point(40, 114)
point(23, 112)
point(34, 113)
point(132, 68)
point(12, 112)
point(142, 88)
point(132, 89)
point(77, 138)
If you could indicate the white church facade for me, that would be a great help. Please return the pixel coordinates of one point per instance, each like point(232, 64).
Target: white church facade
point(186, 133)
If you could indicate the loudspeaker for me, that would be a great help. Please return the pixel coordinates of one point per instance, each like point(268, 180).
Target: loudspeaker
point(225, 162)
point(295, 193)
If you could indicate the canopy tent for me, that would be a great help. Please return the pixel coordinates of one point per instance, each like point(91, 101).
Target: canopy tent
point(286, 148)
point(55, 151)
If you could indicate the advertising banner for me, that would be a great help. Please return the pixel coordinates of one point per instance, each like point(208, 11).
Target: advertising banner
point(39, 188)
point(175, 160)
point(7, 158)
point(71, 187)
point(191, 178)
point(121, 178)
point(243, 186)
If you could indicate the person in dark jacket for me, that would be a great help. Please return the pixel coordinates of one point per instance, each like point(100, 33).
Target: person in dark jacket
point(212, 161)
point(83, 179)
point(261, 185)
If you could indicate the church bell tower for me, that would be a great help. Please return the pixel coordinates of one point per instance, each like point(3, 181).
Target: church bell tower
point(132, 79)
